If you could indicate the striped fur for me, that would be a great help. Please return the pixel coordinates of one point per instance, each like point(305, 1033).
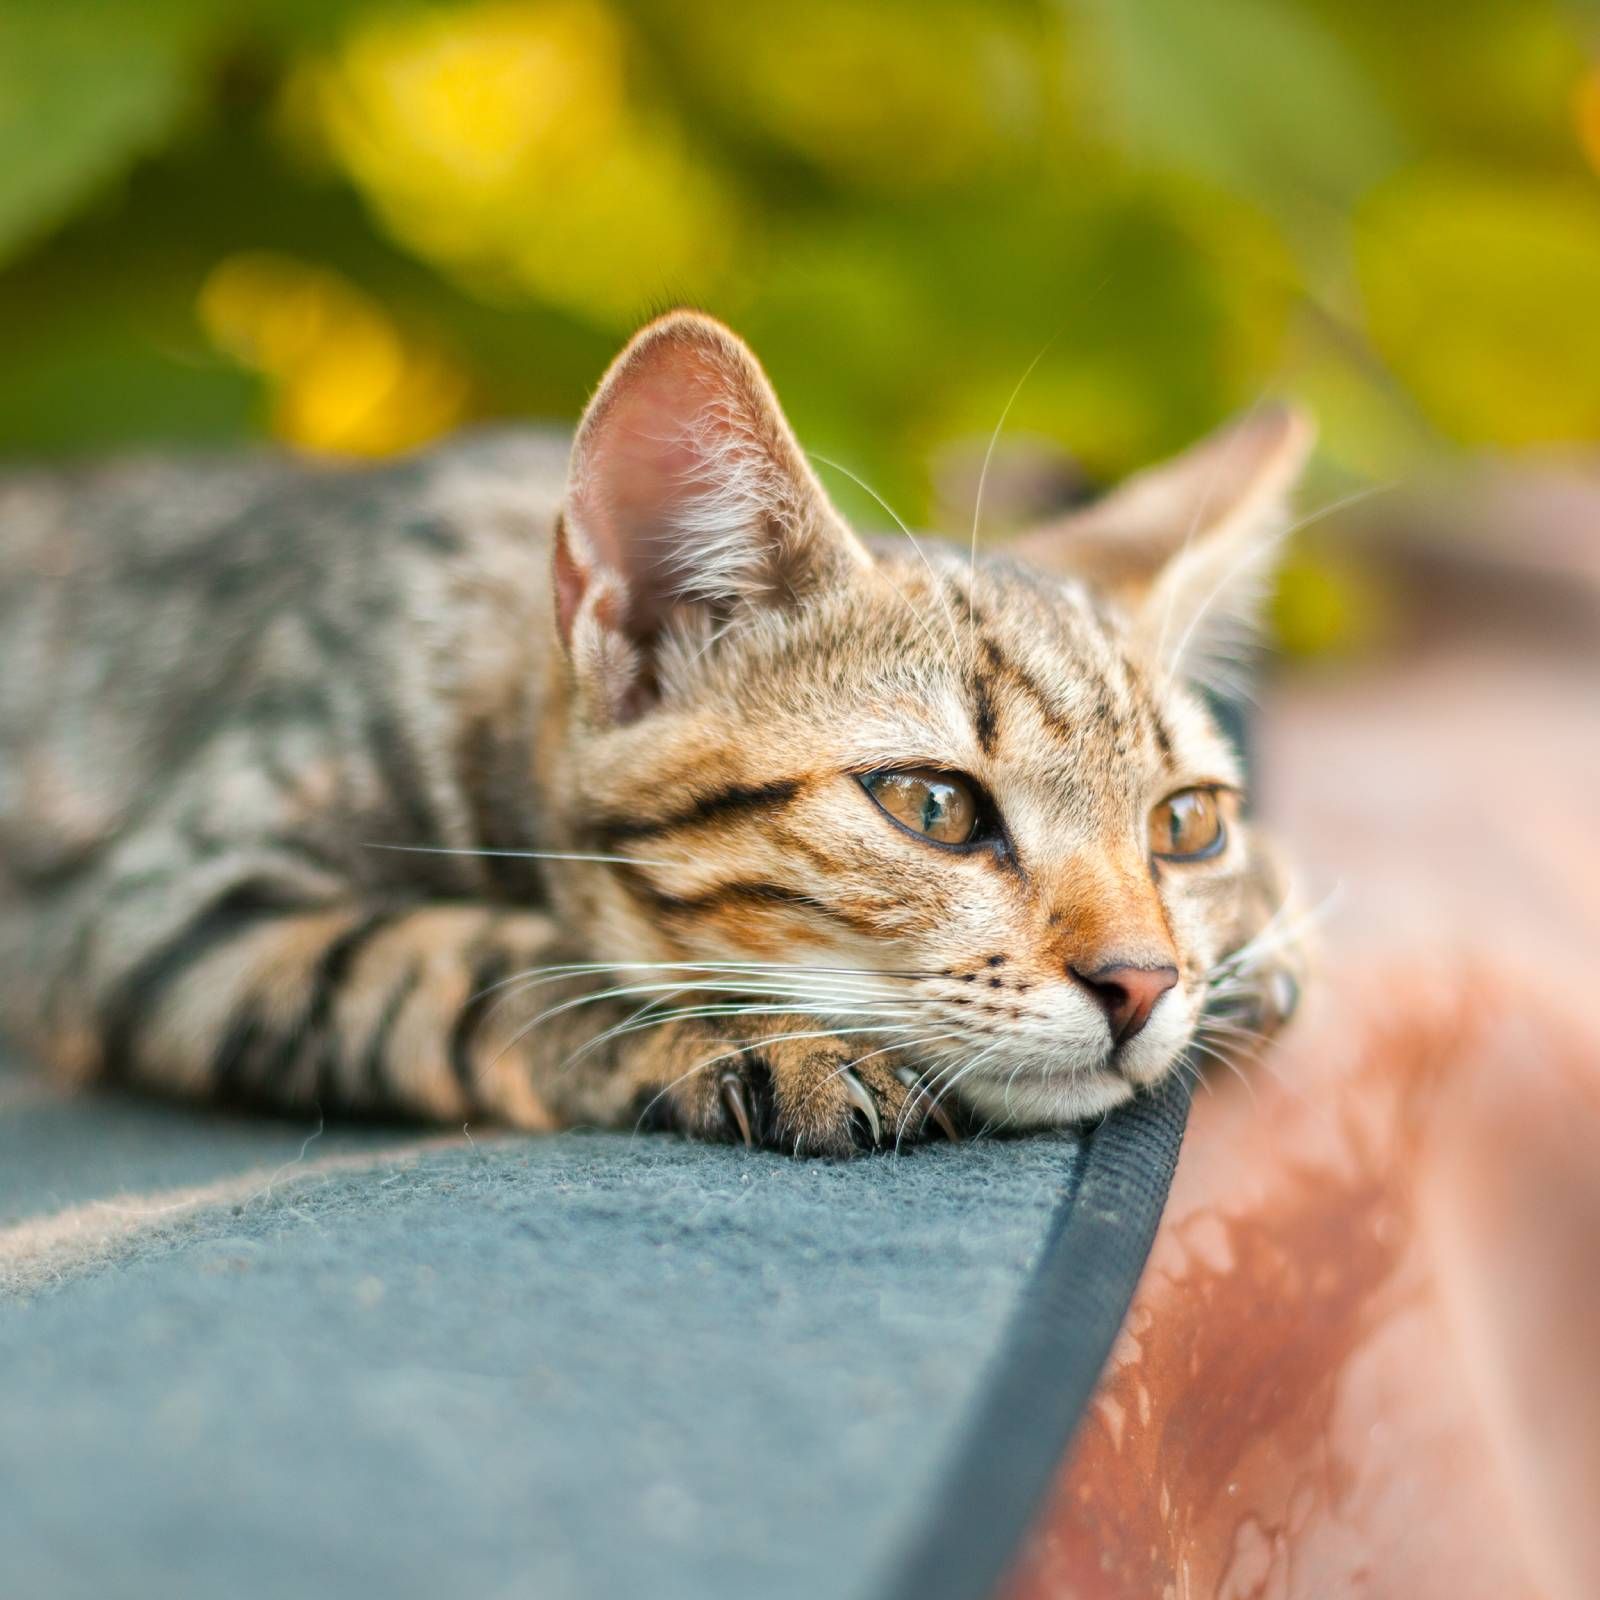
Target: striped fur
point(488, 785)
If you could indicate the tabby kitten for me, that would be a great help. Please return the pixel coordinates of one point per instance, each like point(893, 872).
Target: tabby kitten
point(655, 796)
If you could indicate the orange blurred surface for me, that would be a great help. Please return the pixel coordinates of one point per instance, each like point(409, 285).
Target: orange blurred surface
point(1363, 1359)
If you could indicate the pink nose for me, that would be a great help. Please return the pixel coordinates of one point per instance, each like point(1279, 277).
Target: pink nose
point(1127, 995)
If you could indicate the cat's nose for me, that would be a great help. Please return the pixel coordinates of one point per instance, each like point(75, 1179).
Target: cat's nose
point(1127, 994)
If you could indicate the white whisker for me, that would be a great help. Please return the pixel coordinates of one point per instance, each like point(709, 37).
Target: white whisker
point(809, 993)
point(520, 855)
point(740, 1049)
point(922, 555)
point(1202, 506)
point(966, 1071)
point(899, 1044)
point(1233, 569)
point(578, 968)
point(536, 977)
point(988, 458)
point(705, 1013)
point(1199, 1045)
point(1278, 931)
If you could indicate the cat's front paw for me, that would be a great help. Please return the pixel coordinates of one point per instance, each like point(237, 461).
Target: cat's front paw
point(1263, 1001)
point(1256, 989)
point(816, 1095)
point(1253, 993)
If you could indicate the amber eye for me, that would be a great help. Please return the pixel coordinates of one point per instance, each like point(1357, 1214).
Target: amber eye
point(938, 805)
point(1186, 826)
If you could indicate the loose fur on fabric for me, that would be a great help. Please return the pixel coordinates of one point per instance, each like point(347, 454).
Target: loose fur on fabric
point(451, 789)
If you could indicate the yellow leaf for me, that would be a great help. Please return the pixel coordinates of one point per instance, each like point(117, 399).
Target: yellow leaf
point(1484, 295)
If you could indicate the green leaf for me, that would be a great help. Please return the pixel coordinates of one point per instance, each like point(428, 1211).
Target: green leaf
point(88, 87)
point(1482, 294)
point(85, 90)
point(1253, 94)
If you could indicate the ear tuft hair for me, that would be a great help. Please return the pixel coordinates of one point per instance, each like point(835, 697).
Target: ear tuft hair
point(1187, 548)
point(688, 491)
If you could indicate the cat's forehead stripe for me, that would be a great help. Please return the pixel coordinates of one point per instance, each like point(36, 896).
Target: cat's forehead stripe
point(1053, 649)
point(985, 714)
point(1050, 711)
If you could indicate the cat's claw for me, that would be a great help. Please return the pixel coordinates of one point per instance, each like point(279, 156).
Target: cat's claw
point(1284, 992)
point(946, 1122)
point(731, 1087)
point(864, 1102)
point(808, 1098)
point(936, 1111)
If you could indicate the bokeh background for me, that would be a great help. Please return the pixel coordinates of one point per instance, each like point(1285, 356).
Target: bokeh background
point(349, 226)
point(352, 225)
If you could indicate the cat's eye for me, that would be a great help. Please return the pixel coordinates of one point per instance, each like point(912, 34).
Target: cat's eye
point(1187, 826)
point(941, 806)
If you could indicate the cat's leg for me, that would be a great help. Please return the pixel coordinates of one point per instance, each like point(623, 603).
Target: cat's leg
point(458, 1011)
point(376, 1007)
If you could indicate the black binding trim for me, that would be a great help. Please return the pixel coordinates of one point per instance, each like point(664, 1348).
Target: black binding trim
point(1018, 1433)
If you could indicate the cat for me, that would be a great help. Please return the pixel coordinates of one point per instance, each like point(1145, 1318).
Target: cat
point(630, 786)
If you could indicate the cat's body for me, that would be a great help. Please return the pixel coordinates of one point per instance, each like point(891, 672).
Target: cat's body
point(260, 723)
point(222, 683)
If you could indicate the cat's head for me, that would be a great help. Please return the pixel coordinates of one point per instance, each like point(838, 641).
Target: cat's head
point(978, 806)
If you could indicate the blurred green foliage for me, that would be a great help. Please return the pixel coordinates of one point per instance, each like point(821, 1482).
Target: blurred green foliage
point(355, 223)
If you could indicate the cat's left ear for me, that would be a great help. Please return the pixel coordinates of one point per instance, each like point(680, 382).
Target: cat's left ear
point(1187, 548)
point(687, 492)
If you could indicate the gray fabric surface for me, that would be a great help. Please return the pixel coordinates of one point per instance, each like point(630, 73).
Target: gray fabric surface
point(236, 1363)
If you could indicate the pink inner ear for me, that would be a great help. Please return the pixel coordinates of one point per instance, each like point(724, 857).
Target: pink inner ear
point(647, 455)
point(688, 490)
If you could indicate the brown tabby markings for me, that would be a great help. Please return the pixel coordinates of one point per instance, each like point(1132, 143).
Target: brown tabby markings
point(222, 685)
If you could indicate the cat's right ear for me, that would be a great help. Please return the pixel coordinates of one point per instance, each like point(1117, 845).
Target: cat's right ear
point(687, 493)
point(1186, 549)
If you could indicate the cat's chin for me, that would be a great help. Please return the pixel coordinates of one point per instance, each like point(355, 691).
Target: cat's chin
point(1046, 1099)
